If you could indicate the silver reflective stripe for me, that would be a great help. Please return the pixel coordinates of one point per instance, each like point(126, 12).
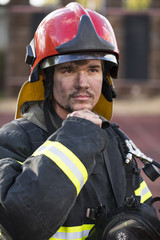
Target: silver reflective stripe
point(74, 233)
point(143, 191)
point(39, 150)
point(66, 160)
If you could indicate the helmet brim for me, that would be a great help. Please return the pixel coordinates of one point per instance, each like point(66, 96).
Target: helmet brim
point(58, 59)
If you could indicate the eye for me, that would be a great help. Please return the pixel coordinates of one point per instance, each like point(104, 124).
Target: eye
point(68, 70)
point(93, 70)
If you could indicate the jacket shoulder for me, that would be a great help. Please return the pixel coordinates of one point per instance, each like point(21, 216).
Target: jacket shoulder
point(17, 139)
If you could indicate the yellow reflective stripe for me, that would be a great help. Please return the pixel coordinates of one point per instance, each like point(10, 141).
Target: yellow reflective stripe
point(66, 160)
point(74, 233)
point(20, 162)
point(143, 191)
point(74, 158)
point(65, 169)
point(76, 228)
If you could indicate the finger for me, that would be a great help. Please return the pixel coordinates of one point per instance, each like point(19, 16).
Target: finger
point(87, 114)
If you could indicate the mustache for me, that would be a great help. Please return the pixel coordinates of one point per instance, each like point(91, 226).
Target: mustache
point(87, 93)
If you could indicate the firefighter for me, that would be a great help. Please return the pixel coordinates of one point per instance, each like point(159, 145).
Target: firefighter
point(60, 158)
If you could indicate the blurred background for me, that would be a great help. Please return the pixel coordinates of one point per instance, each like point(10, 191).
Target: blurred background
point(137, 28)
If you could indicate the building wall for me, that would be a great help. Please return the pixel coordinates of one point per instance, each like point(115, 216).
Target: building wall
point(118, 19)
point(23, 20)
point(155, 47)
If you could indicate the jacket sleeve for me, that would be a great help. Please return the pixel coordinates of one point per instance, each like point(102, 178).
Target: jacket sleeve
point(36, 196)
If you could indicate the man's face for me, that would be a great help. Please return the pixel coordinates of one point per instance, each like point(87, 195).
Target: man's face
point(76, 85)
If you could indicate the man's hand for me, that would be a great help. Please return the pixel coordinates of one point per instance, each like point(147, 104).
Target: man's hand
point(87, 114)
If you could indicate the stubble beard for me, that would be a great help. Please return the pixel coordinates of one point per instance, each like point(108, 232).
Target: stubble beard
point(68, 106)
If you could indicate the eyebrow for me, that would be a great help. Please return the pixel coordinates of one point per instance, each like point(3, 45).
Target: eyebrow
point(94, 66)
point(64, 67)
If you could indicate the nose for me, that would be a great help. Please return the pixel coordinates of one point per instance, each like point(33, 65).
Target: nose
point(81, 81)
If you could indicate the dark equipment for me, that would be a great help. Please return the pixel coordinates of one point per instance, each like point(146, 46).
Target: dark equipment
point(133, 220)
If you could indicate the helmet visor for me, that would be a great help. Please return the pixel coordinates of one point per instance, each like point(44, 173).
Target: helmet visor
point(58, 59)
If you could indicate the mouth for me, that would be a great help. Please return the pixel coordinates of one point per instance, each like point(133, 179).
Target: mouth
point(81, 96)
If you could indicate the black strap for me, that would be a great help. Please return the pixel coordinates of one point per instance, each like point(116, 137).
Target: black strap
point(93, 212)
point(47, 106)
point(155, 199)
point(121, 137)
point(51, 128)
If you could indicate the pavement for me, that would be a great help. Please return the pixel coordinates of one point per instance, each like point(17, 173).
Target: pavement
point(138, 117)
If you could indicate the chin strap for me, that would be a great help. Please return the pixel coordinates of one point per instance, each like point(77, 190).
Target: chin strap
point(47, 115)
point(47, 105)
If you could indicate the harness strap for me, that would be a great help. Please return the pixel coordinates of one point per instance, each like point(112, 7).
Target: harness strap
point(121, 137)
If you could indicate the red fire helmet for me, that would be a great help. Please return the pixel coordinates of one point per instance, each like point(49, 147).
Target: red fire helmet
point(69, 34)
point(67, 31)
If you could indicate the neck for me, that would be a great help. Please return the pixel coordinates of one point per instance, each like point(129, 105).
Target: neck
point(61, 112)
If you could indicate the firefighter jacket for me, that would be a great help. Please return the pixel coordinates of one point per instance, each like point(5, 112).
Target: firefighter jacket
point(48, 183)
